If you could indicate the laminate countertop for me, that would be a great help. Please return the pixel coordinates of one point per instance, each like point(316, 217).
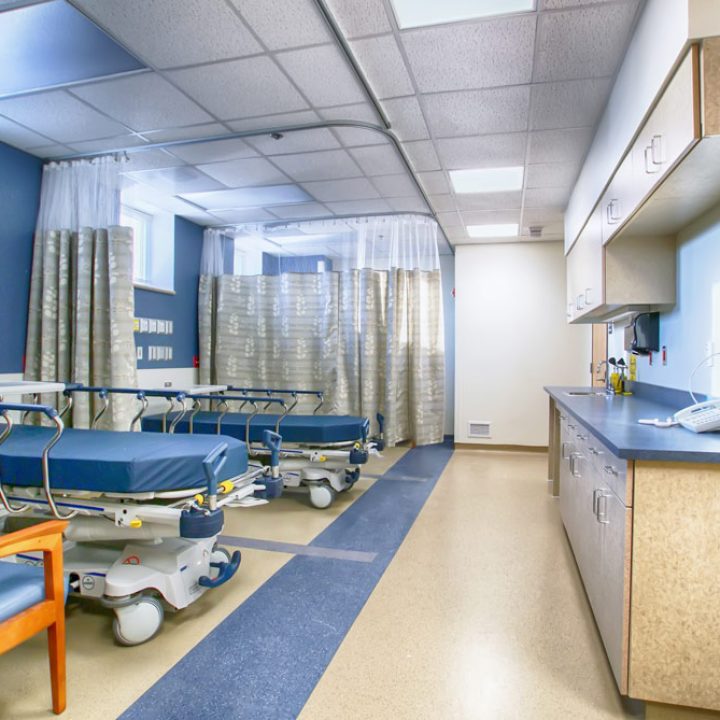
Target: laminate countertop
point(613, 419)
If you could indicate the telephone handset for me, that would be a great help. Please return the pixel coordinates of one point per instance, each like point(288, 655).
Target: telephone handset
point(703, 417)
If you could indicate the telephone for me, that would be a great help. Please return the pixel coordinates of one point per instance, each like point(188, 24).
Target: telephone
point(703, 417)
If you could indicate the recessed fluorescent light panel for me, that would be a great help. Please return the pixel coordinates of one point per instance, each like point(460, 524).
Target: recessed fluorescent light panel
point(418, 13)
point(52, 44)
point(487, 180)
point(493, 231)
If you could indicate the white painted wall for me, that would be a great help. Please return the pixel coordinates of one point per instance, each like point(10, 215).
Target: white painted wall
point(512, 339)
point(695, 320)
point(447, 271)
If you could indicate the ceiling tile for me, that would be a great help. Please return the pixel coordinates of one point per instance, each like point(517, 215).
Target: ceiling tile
point(350, 207)
point(50, 151)
point(244, 215)
point(406, 118)
point(546, 197)
point(482, 151)
point(383, 66)
point(14, 134)
point(142, 102)
point(294, 142)
point(434, 183)
point(358, 137)
point(353, 189)
point(248, 197)
point(244, 172)
point(490, 217)
point(175, 180)
point(150, 160)
point(364, 112)
point(230, 90)
point(541, 216)
point(562, 4)
point(456, 232)
point(378, 160)
point(548, 175)
point(573, 103)
point(450, 219)
point(478, 112)
point(165, 33)
point(352, 137)
point(569, 44)
point(300, 211)
point(59, 116)
point(464, 56)
point(215, 151)
point(569, 145)
point(284, 23)
point(408, 204)
point(360, 17)
point(115, 143)
point(326, 165)
point(322, 74)
point(490, 201)
point(395, 186)
point(191, 132)
point(265, 122)
point(443, 203)
point(422, 155)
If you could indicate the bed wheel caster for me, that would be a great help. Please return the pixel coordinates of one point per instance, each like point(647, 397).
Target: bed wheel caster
point(321, 496)
point(138, 622)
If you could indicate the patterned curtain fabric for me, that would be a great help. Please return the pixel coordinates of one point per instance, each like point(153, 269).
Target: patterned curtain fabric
point(80, 321)
point(371, 339)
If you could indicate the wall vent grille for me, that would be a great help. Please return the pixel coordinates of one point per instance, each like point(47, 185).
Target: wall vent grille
point(478, 429)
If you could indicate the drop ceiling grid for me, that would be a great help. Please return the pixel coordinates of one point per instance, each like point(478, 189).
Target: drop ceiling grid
point(564, 12)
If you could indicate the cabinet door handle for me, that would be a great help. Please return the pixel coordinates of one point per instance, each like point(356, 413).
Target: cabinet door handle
point(574, 458)
point(593, 451)
point(563, 451)
point(580, 301)
point(610, 470)
point(571, 426)
point(596, 492)
point(580, 436)
point(601, 514)
point(613, 211)
point(654, 155)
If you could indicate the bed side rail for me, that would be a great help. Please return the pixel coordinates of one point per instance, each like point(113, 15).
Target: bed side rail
point(293, 392)
point(52, 414)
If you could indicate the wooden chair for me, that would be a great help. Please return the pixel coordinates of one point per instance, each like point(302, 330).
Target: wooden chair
point(32, 600)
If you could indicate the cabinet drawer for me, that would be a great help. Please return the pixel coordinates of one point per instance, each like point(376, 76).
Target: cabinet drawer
point(612, 469)
point(619, 200)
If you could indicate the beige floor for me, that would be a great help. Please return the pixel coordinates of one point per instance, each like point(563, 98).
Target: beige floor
point(104, 679)
point(481, 615)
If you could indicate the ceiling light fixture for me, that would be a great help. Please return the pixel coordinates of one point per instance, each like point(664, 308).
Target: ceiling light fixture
point(419, 13)
point(493, 231)
point(487, 180)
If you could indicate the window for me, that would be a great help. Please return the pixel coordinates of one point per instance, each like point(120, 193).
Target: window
point(154, 247)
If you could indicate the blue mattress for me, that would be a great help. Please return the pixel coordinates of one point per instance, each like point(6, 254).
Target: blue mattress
point(306, 429)
point(122, 462)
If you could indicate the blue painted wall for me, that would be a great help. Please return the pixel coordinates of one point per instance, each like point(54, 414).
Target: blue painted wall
point(20, 176)
point(181, 308)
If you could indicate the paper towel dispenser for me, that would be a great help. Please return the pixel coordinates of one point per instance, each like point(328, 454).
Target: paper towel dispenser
point(642, 336)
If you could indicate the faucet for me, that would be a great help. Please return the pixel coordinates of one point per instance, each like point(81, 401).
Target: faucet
point(609, 389)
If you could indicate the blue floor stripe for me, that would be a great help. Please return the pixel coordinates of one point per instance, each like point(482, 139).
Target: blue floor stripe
point(263, 661)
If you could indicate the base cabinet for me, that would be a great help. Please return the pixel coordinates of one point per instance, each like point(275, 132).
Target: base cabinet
point(598, 524)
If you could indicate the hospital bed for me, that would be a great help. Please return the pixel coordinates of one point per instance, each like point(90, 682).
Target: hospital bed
point(327, 450)
point(144, 510)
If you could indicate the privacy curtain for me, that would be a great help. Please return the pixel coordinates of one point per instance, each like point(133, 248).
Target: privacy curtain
point(356, 310)
point(80, 322)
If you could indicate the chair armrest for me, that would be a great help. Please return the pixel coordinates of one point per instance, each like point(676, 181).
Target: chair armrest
point(46, 538)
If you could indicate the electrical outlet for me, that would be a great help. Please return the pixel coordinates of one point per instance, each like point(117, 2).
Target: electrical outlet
point(708, 353)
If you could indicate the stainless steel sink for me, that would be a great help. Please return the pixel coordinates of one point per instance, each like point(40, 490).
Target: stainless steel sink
point(577, 393)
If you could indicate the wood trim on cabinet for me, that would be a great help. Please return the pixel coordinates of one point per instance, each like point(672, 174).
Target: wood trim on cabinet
point(710, 98)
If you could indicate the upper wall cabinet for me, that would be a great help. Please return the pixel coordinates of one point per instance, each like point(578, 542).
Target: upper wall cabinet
point(623, 259)
point(669, 133)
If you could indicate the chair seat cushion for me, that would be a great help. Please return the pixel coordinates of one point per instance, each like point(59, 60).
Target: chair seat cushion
point(21, 587)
